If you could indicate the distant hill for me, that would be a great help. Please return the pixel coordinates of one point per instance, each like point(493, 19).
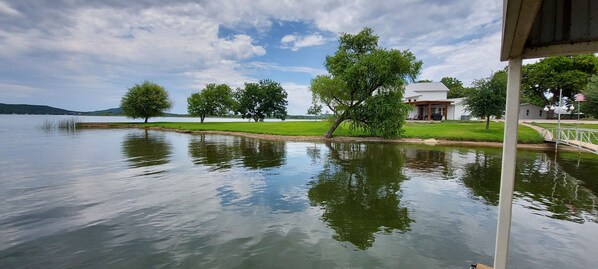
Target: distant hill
point(34, 109)
point(48, 110)
point(106, 112)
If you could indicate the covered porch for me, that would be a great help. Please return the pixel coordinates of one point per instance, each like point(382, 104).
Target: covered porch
point(425, 109)
point(534, 29)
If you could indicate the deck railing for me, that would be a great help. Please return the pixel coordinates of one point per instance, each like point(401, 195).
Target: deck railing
point(586, 139)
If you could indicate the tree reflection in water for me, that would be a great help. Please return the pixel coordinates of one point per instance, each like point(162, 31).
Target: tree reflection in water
point(541, 185)
point(222, 152)
point(359, 192)
point(144, 149)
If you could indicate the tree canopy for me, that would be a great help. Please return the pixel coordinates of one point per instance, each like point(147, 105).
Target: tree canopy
point(260, 100)
point(550, 75)
point(456, 88)
point(213, 100)
point(358, 70)
point(145, 100)
point(590, 106)
point(489, 97)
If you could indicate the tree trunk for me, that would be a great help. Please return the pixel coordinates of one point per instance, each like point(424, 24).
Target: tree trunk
point(487, 122)
point(201, 118)
point(146, 118)
point(335, 125)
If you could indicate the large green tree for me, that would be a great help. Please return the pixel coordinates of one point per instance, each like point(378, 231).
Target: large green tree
point(357, 70)
point(213, 100)
point(590, 106)
point(145, 100)
point(542, 81)
point(489, 97)
point(260, 100)
point(456, 88)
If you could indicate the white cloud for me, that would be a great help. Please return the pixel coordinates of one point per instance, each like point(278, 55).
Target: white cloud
point(299, 98)
point(468, 60)
point(296, 42)
point(9, 90)
point(8, 10)
point(103, 49)
point(293, 69)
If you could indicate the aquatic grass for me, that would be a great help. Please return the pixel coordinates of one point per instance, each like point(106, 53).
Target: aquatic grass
point(447, 130)
point(68, 125)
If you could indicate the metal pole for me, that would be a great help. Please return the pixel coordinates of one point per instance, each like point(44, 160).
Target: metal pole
point(560, 110)
point(509, 155)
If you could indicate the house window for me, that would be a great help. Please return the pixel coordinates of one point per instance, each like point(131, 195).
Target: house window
point(527, 112)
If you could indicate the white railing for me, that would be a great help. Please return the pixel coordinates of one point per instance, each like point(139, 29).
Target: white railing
point(579, 137)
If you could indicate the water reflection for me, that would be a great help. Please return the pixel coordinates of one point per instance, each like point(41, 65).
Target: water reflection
point(222, 152)
point(541, 185)
point(359, 191)
point(146, 149)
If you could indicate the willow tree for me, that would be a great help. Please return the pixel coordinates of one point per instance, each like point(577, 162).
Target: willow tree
point(358, 71)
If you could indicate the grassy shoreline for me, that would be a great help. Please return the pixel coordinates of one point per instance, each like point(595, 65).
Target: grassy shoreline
point(448, 130)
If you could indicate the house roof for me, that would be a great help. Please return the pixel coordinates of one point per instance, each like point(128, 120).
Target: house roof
point(426, 87)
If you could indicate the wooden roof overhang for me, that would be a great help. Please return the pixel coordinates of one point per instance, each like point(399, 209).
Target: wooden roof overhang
point(543, 28)
point(534, 29)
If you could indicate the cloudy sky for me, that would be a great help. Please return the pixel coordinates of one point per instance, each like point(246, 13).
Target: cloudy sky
point(84, 55)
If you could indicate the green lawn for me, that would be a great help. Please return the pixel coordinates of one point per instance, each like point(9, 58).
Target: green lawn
point(448, 130)
point(570, 125)
point(566, 125)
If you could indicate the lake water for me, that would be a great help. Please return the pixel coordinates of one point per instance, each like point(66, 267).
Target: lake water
point(129, 198)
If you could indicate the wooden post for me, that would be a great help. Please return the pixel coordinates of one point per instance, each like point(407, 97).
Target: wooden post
point(430, 111)
point(509, 155)
point(446, 112)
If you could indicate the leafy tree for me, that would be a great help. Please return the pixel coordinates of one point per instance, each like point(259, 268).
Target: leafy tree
point(214, 100)
point(145, 100)
point(424, 80)
point(489, 98)
point(382, 115)
point(260, 100)
point(455, 86)
point(358, 69)
point(590, 106)
point(549, 75)
point(315, 109)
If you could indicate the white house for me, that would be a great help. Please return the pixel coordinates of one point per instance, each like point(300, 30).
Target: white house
point(429, 98)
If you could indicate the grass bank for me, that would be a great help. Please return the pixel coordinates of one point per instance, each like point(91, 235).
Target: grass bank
point(448, 130)
point(567, 125)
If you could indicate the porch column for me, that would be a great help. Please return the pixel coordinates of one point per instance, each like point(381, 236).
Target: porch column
point(509, 155)
point(446, 112)
point(430, 111)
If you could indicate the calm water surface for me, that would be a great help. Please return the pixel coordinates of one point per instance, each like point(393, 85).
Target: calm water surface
point(137, 199)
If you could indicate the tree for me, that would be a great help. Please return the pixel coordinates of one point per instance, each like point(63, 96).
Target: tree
point(590, 106)
point(145, 100)
point(260, 100)
point(489, 98)
point(424, 80)
point(542, 81)
point(315, 109)
point(455, 86)
point(213, 100)
point(357, 70)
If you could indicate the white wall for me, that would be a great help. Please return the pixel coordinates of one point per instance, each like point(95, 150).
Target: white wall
point(529, 111)
point(455, 111)
point(432, 96)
